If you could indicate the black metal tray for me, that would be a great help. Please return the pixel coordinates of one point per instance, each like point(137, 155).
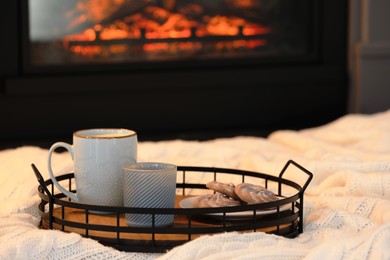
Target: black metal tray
point(283, 217)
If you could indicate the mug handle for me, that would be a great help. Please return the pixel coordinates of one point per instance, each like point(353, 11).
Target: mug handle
point(68, 147)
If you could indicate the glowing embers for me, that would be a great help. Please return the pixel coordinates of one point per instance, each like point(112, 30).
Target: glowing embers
point(175, 48)
point(156, 30)
point(223, 25)
point(239, 44)
point(97, 50)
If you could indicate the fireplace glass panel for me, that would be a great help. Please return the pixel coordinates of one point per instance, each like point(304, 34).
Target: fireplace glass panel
point(133, 31)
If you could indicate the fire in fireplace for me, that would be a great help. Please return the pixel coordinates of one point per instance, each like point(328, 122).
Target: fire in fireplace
point(112, 31)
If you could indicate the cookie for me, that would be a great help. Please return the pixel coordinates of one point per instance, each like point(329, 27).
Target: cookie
point(224, 188)
point(214, 201)
point(254, 194)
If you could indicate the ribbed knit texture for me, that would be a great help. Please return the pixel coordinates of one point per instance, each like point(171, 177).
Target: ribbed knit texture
point(347, 204)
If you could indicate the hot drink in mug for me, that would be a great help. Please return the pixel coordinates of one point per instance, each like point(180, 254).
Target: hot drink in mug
point(99, 156)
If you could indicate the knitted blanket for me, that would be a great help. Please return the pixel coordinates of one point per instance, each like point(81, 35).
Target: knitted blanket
point(347, 204)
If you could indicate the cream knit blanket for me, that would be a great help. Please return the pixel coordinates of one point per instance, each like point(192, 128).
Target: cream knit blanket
point(347, 204)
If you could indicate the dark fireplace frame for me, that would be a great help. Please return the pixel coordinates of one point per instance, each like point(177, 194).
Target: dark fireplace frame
point(178, 100)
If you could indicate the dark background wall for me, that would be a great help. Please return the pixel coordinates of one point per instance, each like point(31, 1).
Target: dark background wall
point(179, 102)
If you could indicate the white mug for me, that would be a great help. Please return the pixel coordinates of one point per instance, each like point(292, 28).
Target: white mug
point(149, 185)
point(99, 156)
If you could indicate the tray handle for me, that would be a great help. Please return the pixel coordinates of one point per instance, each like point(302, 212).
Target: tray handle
point(41, 180)
point(51, 203)
point(310, 175)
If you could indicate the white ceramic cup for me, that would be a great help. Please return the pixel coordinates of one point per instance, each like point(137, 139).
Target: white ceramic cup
point(99, 156)
point(149, 185)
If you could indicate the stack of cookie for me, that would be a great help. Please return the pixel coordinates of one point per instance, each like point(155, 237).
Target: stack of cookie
point(227, 195)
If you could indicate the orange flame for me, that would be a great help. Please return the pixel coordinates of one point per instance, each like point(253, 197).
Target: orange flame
point(158, 23)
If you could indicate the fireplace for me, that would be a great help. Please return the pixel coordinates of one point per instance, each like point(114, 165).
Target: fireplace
point(69, 33)
point(172, 66)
